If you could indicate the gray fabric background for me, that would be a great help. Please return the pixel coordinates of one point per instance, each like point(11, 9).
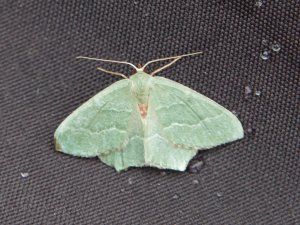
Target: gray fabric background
point(252, 181)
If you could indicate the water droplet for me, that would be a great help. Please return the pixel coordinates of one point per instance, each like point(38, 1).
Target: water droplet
point(235, 112)
point(135, 2)
point(122, 189)
point(195, 166)
point(264, 55)
point(176, 196)
point(248, 90)
point(24, 175)
point(258, 93)
point(196, 182)
point(130, 181)
point(249, 130)
point(219, 194)
point(264, 42)
point(276, 47)
point(258, 3)
point(163, 173)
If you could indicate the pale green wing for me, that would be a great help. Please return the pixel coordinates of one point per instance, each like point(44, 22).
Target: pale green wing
point(132, 152)
point(159, 150)
point(189, 120)
point(105, 126)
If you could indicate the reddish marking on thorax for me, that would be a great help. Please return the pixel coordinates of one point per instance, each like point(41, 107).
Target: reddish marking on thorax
point(143, 110)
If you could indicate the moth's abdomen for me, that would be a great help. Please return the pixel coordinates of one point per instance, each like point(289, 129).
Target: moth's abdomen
point(143, 110)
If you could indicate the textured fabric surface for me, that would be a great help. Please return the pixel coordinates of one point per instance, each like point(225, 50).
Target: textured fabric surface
point(252, 181)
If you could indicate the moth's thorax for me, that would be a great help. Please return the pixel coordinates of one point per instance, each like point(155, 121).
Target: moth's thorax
point(141, 83)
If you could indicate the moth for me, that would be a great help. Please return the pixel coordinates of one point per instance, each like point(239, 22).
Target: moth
point(146, 120)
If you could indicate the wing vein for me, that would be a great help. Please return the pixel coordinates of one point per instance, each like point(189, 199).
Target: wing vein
point(199, 117)
point(193, 125)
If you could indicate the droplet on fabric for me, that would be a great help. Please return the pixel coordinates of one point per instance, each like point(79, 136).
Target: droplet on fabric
point(163, 173)
point(258, 3)
point(249, 130)
point(276, 47)
point(235, 112)
point(248, 90)
point(258, 93)
point(196, 166)
point(219, 194)
point(176, 196)
point(265, 55)
point(24, 175)
point(264, 42)
point(130, 181)
point(195, 182)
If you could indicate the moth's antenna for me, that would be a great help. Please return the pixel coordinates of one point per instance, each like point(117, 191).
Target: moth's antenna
point(176, 58)
point(165, 66)
point(111, 61)
point(112, 72)
point(108, 60)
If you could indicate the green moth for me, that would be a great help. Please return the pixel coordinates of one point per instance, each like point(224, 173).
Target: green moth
point(146, 120)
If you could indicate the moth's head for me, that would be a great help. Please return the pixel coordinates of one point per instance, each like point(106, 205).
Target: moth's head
point(140, 76)
point(140, 69)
